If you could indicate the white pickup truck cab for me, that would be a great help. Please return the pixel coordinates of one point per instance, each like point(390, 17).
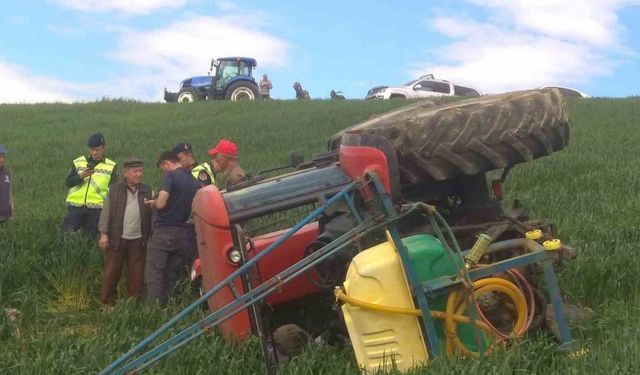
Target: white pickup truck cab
point(425, 86)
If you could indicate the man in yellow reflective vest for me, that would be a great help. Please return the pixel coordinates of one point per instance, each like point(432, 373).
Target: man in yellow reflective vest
point(200, 171)
point(89, 180)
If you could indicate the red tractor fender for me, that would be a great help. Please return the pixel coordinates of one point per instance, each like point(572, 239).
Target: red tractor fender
point(357, 161)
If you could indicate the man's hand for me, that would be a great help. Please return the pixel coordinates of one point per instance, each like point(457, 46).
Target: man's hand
point(86, 173)
point(150, 202)
point(160, 203)
point(104, 241)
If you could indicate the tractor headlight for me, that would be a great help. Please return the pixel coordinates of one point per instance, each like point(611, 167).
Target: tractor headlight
point(234, 256)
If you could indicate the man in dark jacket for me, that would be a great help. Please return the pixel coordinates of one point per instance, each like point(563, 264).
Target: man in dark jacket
point(168, 250)
point(7, 208)
point(125, 224)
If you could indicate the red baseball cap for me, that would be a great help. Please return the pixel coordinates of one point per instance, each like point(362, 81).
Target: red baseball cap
point(225, 147)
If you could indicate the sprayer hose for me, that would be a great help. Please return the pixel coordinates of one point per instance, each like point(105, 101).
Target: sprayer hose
point(455, 308)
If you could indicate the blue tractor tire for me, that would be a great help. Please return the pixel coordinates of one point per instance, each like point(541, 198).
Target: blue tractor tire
point(241, 90)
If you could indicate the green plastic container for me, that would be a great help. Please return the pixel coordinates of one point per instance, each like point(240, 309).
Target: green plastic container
point(430, 261)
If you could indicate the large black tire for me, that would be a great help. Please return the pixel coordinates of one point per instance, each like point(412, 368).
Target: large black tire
point(468, 137)
point(188, 95)
point(242, 90)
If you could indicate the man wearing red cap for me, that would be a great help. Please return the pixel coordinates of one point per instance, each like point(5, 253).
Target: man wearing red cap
point(224, 158)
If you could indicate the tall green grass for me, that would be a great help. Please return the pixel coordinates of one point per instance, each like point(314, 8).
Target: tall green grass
point(590, 190)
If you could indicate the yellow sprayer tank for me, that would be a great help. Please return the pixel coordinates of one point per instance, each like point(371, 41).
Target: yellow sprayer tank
point(380, 339)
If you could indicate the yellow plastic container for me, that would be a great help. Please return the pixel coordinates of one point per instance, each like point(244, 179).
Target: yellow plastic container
point(382, 339)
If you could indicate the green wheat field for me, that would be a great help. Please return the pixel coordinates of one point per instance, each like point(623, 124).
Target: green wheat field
point(590, 190)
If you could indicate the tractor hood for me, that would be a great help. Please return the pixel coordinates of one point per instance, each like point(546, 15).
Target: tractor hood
point(199, 81)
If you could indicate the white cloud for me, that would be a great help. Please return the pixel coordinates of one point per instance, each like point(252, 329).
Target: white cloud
point(226, 5)
point(137, 7)
point(594, 22)
point(153, 60)
point(185, 48)
point(523, 44)
point(22, 86)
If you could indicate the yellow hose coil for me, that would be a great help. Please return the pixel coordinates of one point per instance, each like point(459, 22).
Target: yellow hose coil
point(455, 308)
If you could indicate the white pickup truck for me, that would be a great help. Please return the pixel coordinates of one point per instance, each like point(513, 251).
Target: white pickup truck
point(425, 86)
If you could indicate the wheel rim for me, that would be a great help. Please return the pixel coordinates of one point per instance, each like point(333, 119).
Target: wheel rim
point(185, 97)
point(242, 93)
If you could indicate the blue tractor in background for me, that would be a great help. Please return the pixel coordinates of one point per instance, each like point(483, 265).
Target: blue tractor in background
point(233, 80)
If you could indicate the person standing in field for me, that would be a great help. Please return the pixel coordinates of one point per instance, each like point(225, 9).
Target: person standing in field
point(125, 224)
point(89, 180)
point(7, 206)
point(200, 171)
point(169, 243)
point(264, 88)
point(203, 173)
point(224, 158)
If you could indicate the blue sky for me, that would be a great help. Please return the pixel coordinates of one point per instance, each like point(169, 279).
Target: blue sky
point(68, 50)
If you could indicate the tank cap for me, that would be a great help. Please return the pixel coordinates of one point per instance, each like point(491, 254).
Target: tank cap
point(533, 234)
point(551, 245)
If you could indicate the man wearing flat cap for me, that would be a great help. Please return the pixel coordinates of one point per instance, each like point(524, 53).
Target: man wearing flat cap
point(125, 224)
point(200, 171)
point(224, 158)
point(88, 181)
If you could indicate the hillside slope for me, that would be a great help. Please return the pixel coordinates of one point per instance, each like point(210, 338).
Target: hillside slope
point(589, 190)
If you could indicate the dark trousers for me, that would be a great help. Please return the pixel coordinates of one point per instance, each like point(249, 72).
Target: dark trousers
point(81, 218)
point(167, 252)
point(192, 246)
point(132, 252)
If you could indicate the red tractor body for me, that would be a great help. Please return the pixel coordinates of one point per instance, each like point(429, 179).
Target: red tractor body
point(218, 215)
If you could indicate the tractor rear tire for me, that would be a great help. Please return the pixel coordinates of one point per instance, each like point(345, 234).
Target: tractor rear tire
point(468, 137)
point(188, 95)
point(241, 91)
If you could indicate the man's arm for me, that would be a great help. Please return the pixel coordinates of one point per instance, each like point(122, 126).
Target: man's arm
point(13, 206)
point(73, 179)
point(204, 178)
point(160, 202)
point(114, 176)
point(103, 224)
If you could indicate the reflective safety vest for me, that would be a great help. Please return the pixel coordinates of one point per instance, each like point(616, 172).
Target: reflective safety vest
point(93, 190)
point(195, 172)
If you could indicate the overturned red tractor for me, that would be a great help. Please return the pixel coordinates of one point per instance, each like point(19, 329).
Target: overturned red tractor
point(387, 214)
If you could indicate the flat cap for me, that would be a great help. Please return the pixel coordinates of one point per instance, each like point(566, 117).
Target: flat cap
point(3, 150)
point(181, 147)
point(132, 162)
point(96, 140)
